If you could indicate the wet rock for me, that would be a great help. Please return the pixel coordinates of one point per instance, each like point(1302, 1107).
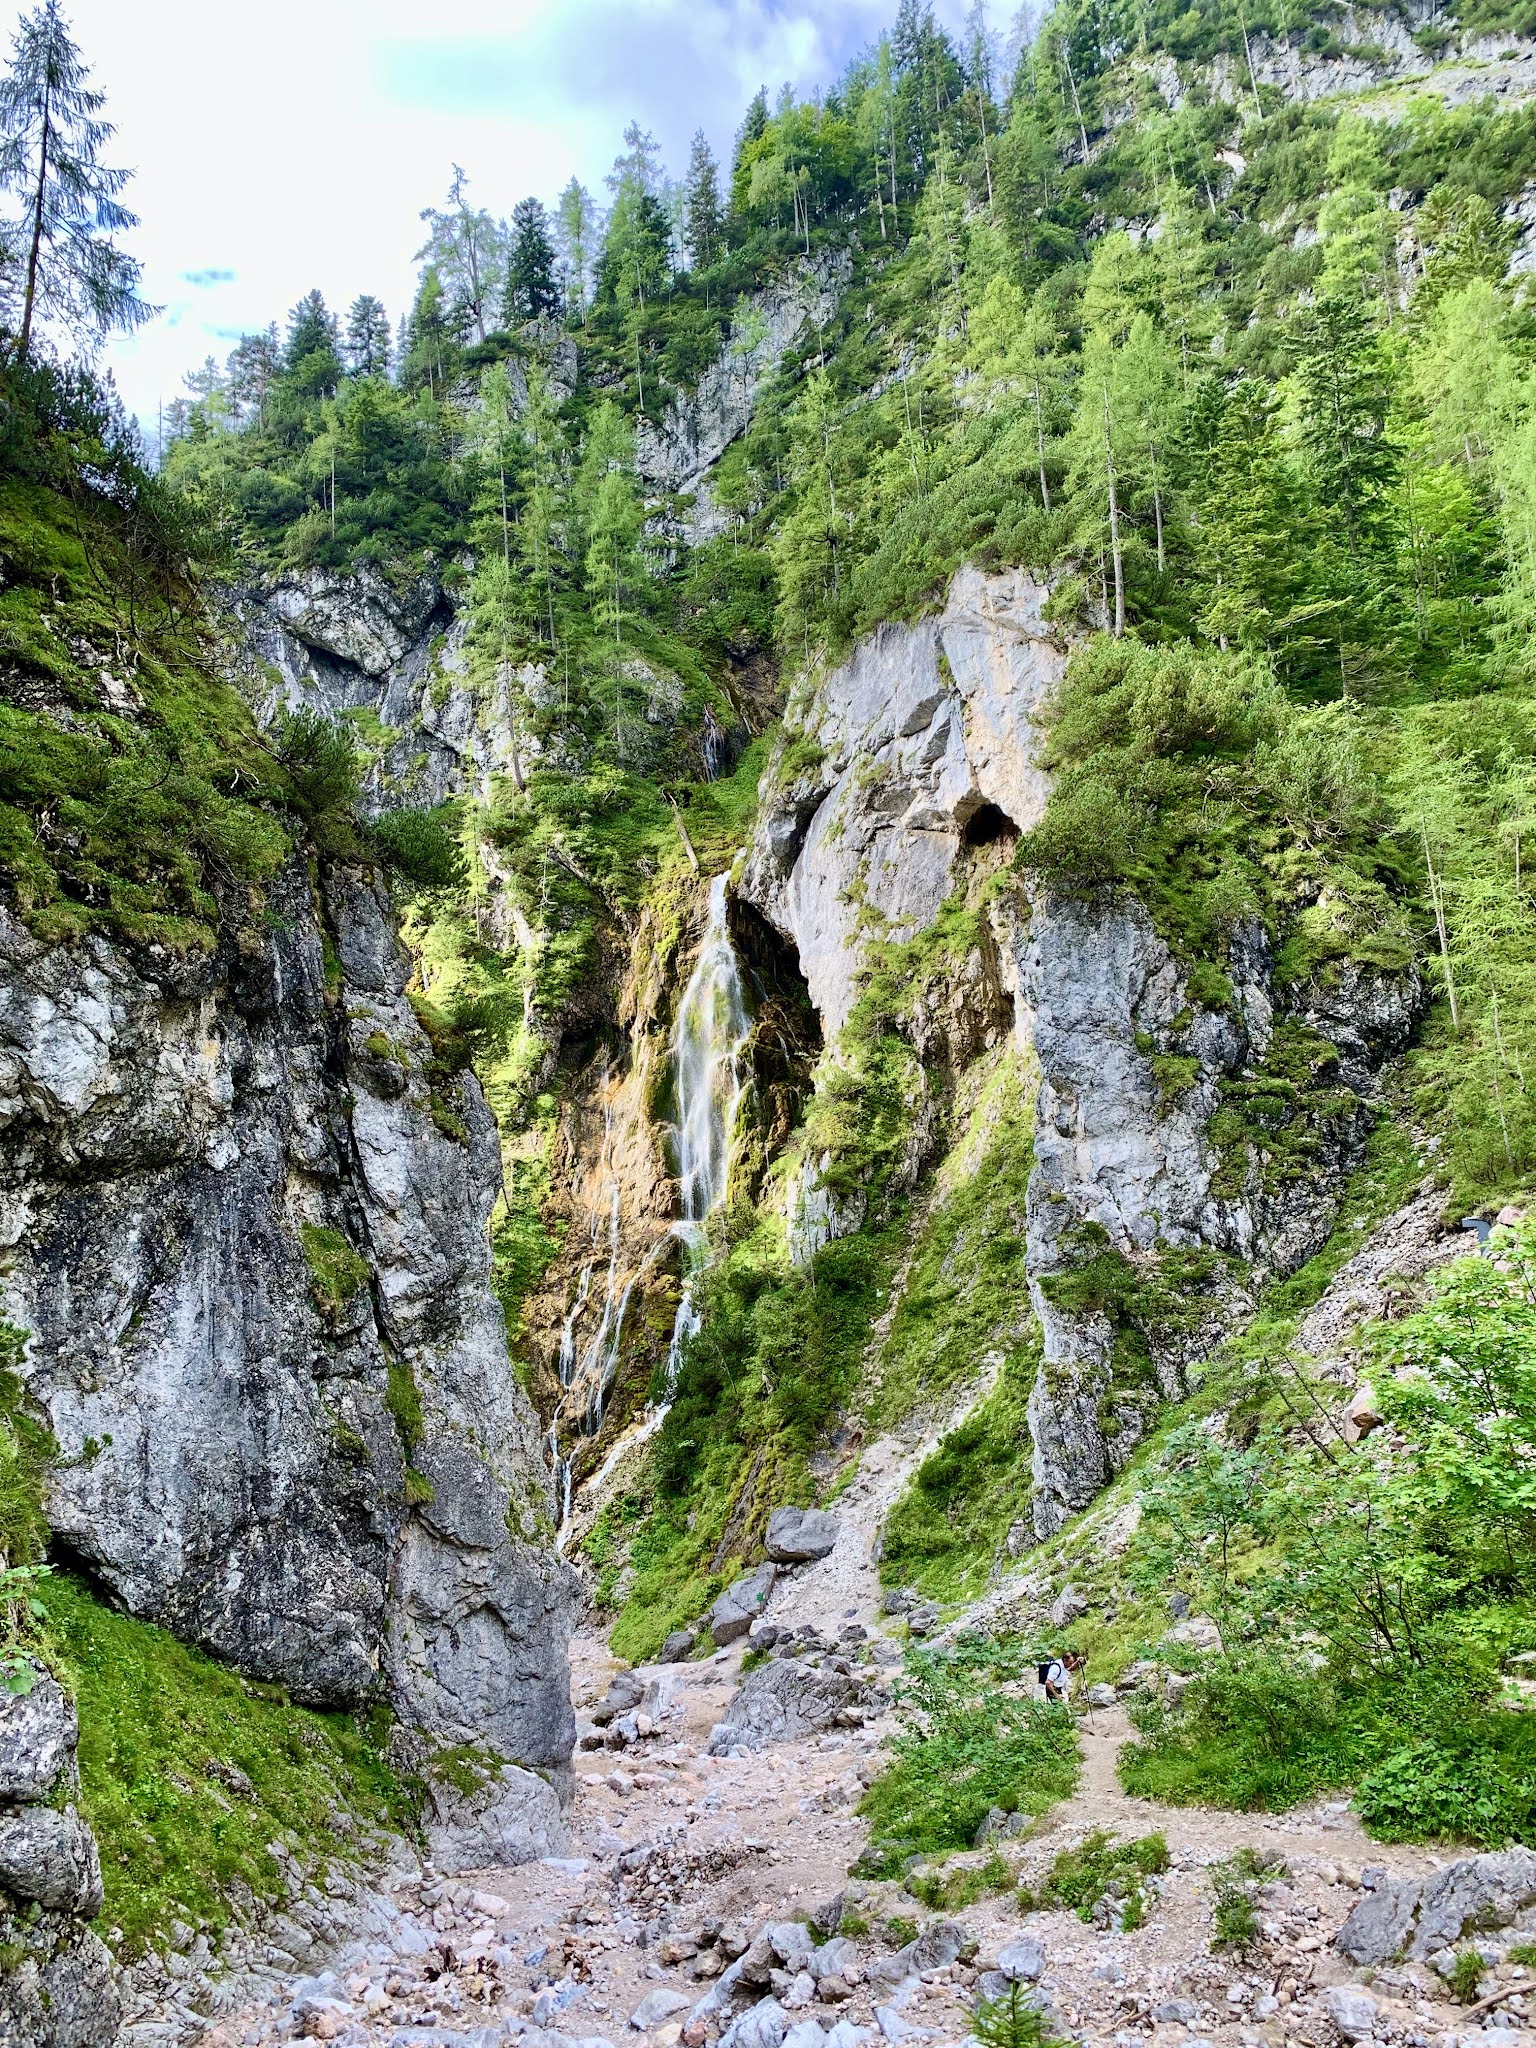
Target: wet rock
point(800, 1535)
point(740, 1604)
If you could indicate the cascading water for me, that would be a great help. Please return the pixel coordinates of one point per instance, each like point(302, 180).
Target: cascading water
point(709, 1041)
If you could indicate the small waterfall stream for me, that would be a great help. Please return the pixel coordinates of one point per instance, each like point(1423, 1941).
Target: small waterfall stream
point(709, 1041)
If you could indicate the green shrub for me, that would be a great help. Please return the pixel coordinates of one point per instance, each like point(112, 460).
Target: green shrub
point(417, 846)
point(973, 1748)
point(1101, 1867)
point(402, 1398)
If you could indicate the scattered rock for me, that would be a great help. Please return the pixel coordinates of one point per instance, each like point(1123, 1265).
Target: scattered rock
point(1363, 1413)
point(784, 1700)
point(1352, 2010)
point(678, 1647)
point(1417, 1919)
point(1022, 1961)
point(1102, 1696)
point(1068, 1606)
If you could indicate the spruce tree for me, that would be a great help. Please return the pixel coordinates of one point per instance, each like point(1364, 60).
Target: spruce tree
point(367, 347)
point(703, 204)
point(51, 138)
point(311, 331)
point(531, 293)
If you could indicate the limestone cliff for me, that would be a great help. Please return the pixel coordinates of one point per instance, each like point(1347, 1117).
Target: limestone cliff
point(1186, 1147)
point(245, 1227)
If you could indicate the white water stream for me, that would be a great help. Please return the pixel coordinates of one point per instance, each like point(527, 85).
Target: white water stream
point(709, 1079)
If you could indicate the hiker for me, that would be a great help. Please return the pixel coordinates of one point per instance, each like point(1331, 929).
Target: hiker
point(1056, 1675)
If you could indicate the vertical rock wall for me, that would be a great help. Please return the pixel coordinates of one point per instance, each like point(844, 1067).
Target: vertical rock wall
point(246, 1231)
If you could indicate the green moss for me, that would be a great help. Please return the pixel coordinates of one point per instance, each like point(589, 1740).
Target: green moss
point(187, 1773)
point(402, 1398)
point(337, 1271)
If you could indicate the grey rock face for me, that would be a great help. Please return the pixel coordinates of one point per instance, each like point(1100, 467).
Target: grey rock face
point(924, 741)
point(176, 1133)
point(512, 1817)
point(921, 729)
point(62, 1991)
point(58, 1984)
point(1136, 1170)
point(678, 1647)
point(740, 1604)
point(800, 1535)
point(38, 1736)
point(1413, 1918)
point(780, 1702)
point(50, 1857)
point(696, 429)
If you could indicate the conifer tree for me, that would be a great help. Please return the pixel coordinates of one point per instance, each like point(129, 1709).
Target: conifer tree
point(531, 291)
point(58, 258)
point(576, 231)
point(367, 345)
point(468, 251)
point(702, 204)
point(311, 331)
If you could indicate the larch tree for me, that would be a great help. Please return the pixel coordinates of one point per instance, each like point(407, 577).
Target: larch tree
point(467, 248)
point(576, 233)
point(60, 263)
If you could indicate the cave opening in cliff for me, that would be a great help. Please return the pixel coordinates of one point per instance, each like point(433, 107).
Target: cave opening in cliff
point(986, 826)
point(786, 1037)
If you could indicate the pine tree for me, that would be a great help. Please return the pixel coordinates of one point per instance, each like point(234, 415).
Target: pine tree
point(254, 365)
point(366, 349)
point(531, 293)
point(51, 136)
point(1344, 389)
point(703, 219)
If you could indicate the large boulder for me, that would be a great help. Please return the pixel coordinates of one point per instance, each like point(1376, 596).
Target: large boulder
point(49, 1858)
point(800, 1535)
point(740, 1605)
point(782, 1701)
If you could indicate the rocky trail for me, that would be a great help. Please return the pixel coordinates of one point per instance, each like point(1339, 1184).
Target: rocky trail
point(706, 1898)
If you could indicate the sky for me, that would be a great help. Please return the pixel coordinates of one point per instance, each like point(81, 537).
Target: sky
point(293, 146)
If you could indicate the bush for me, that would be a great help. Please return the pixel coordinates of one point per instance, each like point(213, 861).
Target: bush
point(973, 1748)
point(419, 848)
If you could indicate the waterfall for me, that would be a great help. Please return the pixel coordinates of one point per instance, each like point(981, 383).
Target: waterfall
point(709, 1042)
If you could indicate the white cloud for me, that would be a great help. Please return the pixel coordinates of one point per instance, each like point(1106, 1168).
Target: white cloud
point(296, 145)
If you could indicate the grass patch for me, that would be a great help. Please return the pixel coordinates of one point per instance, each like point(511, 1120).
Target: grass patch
point(1101, 1867)
point(947, 1532)
point(337, 1271)
point(187, 1772)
